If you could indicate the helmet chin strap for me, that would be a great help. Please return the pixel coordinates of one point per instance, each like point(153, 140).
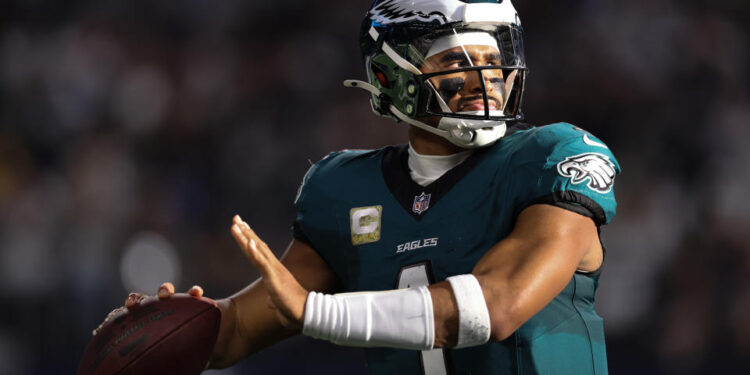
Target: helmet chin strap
point(472, 133)
point(461, 132)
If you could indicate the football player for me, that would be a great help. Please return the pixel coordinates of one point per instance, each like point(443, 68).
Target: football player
point(473, 249)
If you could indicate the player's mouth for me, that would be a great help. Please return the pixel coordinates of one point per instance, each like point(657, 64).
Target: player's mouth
point(478, 105)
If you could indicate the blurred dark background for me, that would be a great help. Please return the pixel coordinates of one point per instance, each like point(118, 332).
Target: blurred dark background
point(131, 131)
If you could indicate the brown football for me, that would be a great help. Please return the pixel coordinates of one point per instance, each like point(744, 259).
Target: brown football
point(170, 336)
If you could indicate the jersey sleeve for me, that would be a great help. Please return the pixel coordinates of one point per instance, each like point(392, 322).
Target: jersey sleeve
point(308, 196)
point(565, 166)
point(319, 209)
point(298, 233)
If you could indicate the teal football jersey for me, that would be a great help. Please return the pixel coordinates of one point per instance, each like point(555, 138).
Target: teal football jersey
point(379, 230)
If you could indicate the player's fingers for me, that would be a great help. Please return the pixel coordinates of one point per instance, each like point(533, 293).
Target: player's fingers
point(242, 240)
point(265, 250)
point(109, 317)
point(260, 261)
point(252, 242)
point(130, 300)
point(262, 247)
point(238, 235)
point(165, 290)
point(250, 249)
point(133, 299)
point(196, 291)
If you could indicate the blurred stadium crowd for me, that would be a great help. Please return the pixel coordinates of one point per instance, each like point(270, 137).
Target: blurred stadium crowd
point(131, 131)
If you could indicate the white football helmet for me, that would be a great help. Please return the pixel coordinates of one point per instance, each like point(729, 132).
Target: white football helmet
point(461, 62)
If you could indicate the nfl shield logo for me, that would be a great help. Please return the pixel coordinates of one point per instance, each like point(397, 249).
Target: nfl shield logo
point(421, 203)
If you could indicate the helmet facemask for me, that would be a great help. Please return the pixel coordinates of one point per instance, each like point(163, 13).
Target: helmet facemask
point(467, 76)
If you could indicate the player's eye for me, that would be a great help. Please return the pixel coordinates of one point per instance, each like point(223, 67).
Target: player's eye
point(462, 63)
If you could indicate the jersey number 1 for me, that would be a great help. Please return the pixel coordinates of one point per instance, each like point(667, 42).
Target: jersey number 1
point(433, 361)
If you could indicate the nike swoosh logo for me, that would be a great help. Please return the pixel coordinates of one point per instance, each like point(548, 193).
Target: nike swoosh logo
point(591, 142)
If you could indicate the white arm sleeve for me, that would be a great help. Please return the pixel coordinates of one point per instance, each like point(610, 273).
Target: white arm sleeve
point(400, 318)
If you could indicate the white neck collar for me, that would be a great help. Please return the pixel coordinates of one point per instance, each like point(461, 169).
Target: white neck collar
point(424, 169)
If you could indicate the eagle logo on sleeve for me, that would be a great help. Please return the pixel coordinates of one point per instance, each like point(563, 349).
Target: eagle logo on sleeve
point(591, 166)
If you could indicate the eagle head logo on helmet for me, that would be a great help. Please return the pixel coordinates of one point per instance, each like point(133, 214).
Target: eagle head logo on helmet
point(394, 11)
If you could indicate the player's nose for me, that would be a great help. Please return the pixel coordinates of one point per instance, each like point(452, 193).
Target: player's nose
point(473, 80)
point(483, 80)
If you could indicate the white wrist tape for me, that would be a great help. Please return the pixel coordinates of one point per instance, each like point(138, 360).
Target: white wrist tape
point(473, 316)
point(400, 318)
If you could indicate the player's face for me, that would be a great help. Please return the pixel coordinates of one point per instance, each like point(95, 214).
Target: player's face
point(462, 91)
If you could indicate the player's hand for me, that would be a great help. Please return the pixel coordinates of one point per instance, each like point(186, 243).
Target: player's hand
point(166, 290)
point(286, 294)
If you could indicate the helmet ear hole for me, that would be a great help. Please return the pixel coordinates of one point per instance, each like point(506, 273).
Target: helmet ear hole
point(382, 79)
